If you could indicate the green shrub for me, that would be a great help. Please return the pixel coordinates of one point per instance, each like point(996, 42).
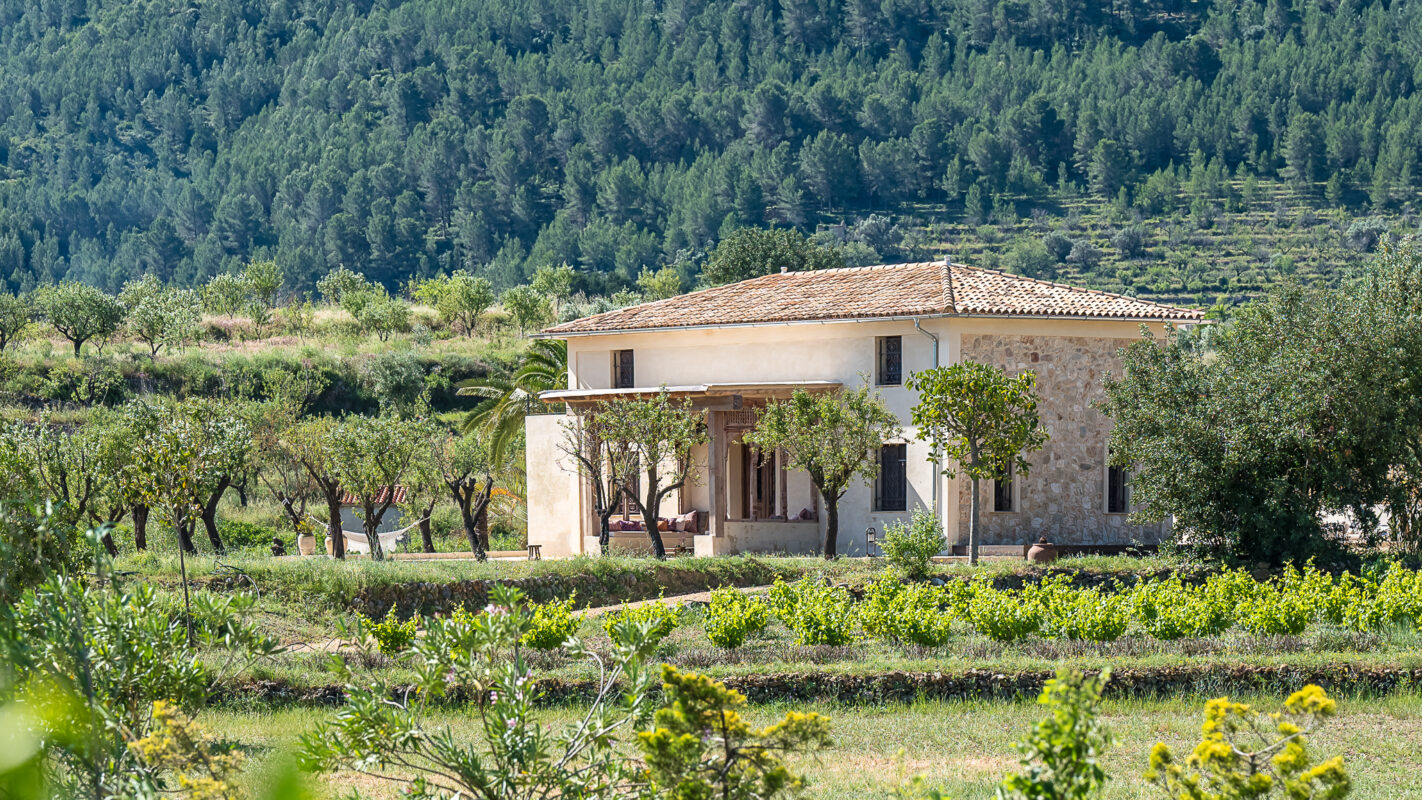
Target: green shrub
point(1083, 614)
point(664, 617)
point(1167, 610)
point(912, 614)
point(999, 615)
point(391, 635)
point(815, 612)
point(909, 547)
point(551, 624)
point(1272, 611)
point(734, 616)
point(237, 534)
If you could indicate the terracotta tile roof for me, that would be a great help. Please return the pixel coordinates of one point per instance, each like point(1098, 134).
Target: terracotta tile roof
point(932, 288)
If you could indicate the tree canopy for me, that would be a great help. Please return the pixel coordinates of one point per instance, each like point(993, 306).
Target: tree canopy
point(408, 139)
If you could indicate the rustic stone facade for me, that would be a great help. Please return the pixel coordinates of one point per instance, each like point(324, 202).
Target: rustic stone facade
point(1063, 496)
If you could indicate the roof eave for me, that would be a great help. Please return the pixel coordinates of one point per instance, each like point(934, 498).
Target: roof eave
point(894, 318)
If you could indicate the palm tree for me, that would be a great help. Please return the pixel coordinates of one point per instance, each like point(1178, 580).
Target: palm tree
point(508, 400)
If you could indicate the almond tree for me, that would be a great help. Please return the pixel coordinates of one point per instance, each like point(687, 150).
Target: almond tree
point(309, 444)
point(371, 456)
point(981, 422)
point(606, 464)
point(658, 433)
point(79, 312)
point(469, 472)
point(833, 437)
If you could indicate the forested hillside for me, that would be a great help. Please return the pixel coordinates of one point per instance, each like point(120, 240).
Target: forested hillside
point(1108, 143)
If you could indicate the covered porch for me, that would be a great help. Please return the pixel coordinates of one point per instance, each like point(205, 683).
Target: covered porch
point(743, 500)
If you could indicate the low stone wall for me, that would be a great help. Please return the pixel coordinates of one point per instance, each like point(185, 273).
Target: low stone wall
point(1209, 680)
point(595, 589)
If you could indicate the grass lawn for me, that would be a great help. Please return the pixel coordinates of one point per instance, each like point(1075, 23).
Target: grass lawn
point(964, 746)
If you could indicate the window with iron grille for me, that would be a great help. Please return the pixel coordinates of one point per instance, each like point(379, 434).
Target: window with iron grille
point(891, 370)
point(892, 487)
point(623, 376)
point(1002, 495)
point(1118, 493)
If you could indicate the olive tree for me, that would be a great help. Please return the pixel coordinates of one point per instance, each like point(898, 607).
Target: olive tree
point(833, 437)
point(370, 458)
point(607, 465)
point(981, 422)
point(659, 434)
point(79, 312)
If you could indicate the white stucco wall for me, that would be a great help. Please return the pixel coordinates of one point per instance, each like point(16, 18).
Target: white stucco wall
point(555, 501)
point(834, 351)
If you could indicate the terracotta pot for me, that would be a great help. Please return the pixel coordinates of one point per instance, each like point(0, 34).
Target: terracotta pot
point(306, 544)
point(330, 548)
point(1042, 553)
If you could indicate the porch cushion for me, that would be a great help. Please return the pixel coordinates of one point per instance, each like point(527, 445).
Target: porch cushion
point(686, 522)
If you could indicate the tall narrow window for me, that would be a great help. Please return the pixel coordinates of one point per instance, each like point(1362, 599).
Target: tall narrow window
point(1002, 495)
point(1118, 492)
point(623, 376)
point(892, 487)
point(891, 361)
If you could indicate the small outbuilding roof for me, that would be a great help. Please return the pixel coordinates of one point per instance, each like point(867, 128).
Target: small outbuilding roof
point(924, 289)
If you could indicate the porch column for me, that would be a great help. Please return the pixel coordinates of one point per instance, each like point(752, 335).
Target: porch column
point(753, 482)
point(716, 472)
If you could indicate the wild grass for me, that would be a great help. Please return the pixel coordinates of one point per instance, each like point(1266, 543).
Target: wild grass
point(965, 746)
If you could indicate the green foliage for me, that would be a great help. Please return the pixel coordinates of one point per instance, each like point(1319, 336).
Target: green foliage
point(15, 316)
point(78, 312)
point(733, 616)
point(392, 635)
point(264, 278)
point(97, 671)
point(515, 755)
point(910, 547)
point(981, 422)
point(1086, 614)
point(658, 433)
point(226, 293)
point(908, 613)
point(239, 535)
point(1167, 610)
point(1245, 753)
point(752, 252)
point(1062, 754)
point(160, 316)
point(832, 436)
point(999, 615)
point(658, 619)
point(1237, 431)
point(818, 614)
point(552, 624)
point(702, 748)
point(338, 284)
point(528, 306)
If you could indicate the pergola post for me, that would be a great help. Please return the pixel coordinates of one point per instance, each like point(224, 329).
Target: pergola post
point(716, 472)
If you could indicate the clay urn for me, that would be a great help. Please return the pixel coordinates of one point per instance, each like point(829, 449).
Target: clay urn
point(306, 544)
point(1043, 552)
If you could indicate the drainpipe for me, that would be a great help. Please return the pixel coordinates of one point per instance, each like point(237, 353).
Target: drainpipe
point(937, 475)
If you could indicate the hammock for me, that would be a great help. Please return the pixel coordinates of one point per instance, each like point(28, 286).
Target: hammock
point(357, 543)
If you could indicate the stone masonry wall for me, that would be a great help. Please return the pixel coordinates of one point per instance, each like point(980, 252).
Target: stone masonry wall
point(1063, 496)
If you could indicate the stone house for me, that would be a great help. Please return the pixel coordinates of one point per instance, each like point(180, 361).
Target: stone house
point(732, 348)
